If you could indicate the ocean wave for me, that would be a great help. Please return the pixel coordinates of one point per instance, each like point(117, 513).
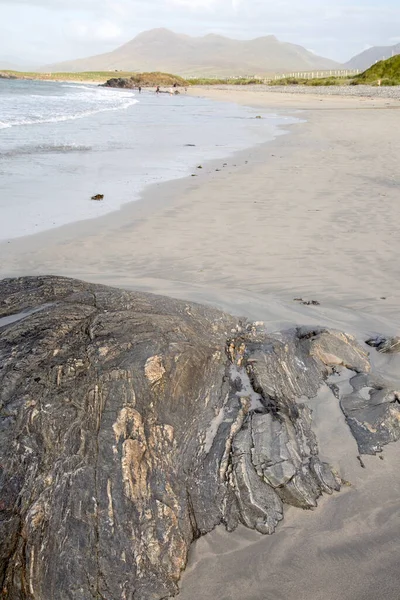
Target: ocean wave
point(69, 117)
point(81, 86)
point(44, 149)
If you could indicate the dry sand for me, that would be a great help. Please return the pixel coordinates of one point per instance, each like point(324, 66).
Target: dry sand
point(314, 214)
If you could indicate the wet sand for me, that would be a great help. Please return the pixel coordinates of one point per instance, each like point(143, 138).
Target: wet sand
point(314, 214)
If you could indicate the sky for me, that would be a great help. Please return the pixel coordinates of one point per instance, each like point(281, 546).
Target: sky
point(39, 32)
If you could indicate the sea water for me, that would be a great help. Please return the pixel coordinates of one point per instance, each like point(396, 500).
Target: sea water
point(62, 143)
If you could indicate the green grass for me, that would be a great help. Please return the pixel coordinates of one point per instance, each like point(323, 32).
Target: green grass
point(153, 79)
point(150, 79)
point(143, 79)
point(225, 81)
point(327, 81)
point(89, 76)
point(385, 71)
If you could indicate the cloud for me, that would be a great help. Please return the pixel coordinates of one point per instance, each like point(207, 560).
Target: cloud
point(194, 4)
point(97, 31)
point(66, 29)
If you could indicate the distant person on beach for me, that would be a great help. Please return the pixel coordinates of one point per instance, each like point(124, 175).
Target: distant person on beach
point(158, 89)
point(140, 89)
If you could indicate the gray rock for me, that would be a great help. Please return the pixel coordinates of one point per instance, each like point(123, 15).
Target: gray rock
point(120, 82)
point(131, 424)
point(385, 345)
point(7, 76)
point(372, 412)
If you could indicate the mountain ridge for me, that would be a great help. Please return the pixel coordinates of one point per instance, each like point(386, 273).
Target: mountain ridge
point(369, 57)
point(211, 54)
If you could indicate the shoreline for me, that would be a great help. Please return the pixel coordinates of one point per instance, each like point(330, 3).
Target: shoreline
point(154, 196)
point(73, 250)
point(313, 214)
point(216, 132)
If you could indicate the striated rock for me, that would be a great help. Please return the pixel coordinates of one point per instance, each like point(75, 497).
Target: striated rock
point(372, 412)
point(131, 424)
point(385, 345)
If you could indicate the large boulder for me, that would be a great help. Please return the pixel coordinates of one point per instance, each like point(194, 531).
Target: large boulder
point(7, 76)
point(131, 424)
point(121, 82)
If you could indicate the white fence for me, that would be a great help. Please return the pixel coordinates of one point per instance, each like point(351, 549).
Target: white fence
point(317, 74)
point(295, 74)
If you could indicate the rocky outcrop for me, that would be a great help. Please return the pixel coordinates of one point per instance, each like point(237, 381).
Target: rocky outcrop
point(134, 83)
point(121, 82)
point(372, 411)
point(131, 424)
point(7, 76)
point(385, 345)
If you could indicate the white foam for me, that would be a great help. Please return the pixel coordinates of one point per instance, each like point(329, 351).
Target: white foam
point(48, 104)
point(72, 117)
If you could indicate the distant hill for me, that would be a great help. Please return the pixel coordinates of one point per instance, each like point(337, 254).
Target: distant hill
point(385, 71)
point(369, 57)
point(9, 66)
point(8, 63)
point(211, 55)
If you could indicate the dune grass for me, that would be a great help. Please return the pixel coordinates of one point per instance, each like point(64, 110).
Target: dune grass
point(144, 79)
point(225, 81)
point(99, 76)
point(387, 72)
point(320, 81)
point(384, 73)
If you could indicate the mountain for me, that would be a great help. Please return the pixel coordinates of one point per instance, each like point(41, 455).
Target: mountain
point(7, 66)
point(369, 57)
point(9, 63)
point(163, 50)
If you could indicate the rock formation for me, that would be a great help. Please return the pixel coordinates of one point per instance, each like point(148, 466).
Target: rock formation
point(121, 82)
point(134, 82)
point(131, 424)
point(372, 411)
point(7, 76)
point(385, 345)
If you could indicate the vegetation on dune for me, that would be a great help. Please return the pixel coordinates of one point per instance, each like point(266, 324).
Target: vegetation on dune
point(157, 78)
point(384, 73)
point(143, 79)
point(326, 81)
point(387, 72)
point(225, 81)
point(89, 76)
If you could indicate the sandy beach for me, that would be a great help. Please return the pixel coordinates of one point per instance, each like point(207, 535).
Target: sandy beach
point(313, 214)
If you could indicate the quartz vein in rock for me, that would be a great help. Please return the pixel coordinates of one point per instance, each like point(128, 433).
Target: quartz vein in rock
point(131, 424)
